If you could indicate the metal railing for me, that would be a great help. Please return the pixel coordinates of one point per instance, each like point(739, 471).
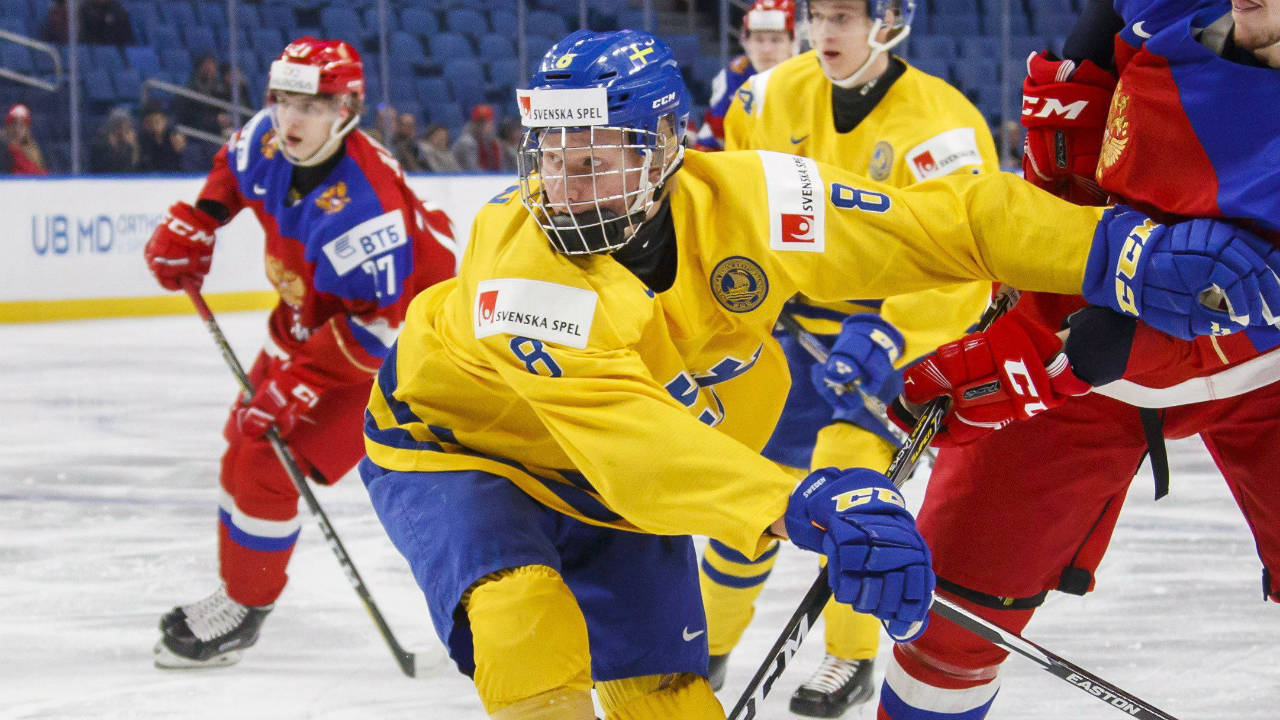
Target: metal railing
point(32, 80)
point(199, 97)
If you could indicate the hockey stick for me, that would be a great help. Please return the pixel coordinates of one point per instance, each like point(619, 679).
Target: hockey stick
point(818, 351)
point(406, 659)
point(794, 632)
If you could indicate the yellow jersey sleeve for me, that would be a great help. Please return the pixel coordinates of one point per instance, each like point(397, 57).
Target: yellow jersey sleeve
point(836, 235)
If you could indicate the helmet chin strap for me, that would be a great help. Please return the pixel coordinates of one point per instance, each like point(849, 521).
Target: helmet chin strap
point(337, 132)
point(877, 49)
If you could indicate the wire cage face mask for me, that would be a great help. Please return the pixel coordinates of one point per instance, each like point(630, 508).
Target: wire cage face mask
point(591, 188)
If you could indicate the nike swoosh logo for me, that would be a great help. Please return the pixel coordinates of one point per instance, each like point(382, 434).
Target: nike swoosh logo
point(1139, 30)
point(688, 636)
point(797, 141)
point(259, 189)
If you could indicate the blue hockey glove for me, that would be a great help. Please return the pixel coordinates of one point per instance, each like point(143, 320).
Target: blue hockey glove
point(864, 353)
point(1201, 277)
point(876, 559)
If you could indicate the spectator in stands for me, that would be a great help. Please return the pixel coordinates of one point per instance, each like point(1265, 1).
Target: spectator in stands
point(384, 124)
point(54, 29)
point(105, 22)
point(206, 81)
point(477, 148)
point(436, 152)
point(405, 145)
point(190, 160)
point(115, 149)
point(231, 77)
point(22, 155)
point(155, 147)
point(509, 131)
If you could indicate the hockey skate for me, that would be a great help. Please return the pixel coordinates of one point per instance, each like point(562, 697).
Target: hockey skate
point(208, 633)
point(837, 685)
point(716, 670)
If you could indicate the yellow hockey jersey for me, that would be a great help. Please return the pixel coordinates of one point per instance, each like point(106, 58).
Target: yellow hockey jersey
point(646, 411)
point(921, 129)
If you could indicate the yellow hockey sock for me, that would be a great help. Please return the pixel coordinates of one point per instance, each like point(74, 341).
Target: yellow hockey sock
point(730, 585)
point(659, 697)
point(530, 640)
point(850, 634)
point(558, 704)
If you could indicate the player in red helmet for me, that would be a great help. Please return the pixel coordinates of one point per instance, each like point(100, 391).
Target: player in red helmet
point(768, 37)
point(348, 244)
point(314, 86)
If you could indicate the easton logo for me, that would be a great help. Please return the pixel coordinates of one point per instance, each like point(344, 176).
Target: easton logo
point(925, 162)
point(797, 228)
point(488, 302)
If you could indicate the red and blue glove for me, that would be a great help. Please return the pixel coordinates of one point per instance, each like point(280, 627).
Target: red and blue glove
point(876, 559)
point(282, 399)
point(1064, 109)
point(181, 247)
point(1010, 371)
point(1200, 277)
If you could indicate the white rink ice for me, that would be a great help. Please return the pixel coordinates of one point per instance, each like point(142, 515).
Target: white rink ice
point(110, 442)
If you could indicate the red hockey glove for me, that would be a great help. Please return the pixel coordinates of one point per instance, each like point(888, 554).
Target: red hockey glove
point(282, 399)
point(1010, 371)
point(1064, 108)
point(181, 246)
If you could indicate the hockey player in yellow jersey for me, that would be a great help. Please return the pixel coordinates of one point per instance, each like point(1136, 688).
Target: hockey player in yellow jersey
point(872, 113)
point(596, 384)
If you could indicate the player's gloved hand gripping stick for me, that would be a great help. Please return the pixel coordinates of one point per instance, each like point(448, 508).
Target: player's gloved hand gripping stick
point(793, 634)
point(406, 659)
point(818, 351)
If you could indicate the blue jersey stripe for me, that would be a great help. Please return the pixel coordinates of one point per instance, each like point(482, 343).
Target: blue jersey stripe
point(574, 489)
point(387, 383)
point(396, 437)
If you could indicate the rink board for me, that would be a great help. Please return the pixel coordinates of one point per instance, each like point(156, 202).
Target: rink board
point(72, 247)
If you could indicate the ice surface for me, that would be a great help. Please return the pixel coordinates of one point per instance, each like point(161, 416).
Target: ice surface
point(109, 441)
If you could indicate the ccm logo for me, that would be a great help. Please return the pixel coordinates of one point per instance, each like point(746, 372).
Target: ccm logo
point(663, 100)
point(1127, 265)
point(1051, 108)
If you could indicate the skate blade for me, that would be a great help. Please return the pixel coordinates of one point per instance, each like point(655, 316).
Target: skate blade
point(165, 659)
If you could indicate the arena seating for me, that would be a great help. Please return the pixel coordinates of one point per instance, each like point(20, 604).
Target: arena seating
point(449, 54)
